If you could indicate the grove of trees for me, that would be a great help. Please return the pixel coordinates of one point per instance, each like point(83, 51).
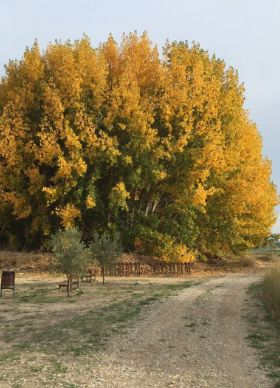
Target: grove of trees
point(156, 147)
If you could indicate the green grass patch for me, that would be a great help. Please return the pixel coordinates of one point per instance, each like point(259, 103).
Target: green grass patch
point(10, 355)
point(89, 332)
point(58, 367)
point(80, 333)
point(45, 295)
point(264, 332)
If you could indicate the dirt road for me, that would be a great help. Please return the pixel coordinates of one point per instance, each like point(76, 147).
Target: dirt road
point(194, 339)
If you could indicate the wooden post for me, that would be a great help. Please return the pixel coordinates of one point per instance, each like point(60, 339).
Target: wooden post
point(103, 274)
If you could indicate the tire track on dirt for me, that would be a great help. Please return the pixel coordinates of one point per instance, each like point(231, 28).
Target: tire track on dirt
point(194, 339)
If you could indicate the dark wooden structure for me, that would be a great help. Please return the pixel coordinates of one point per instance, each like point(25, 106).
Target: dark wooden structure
point(73, 282)
point(8, 281)
point(91, 275)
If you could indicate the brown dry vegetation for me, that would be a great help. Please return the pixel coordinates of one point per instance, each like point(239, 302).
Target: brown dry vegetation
point(271, 290)
point(40, 261)
point(25, 261)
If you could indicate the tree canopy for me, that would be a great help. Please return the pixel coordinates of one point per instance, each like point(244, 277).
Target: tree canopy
point(157, 147)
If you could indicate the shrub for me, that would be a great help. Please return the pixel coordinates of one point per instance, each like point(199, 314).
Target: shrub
point(247, 261)
point(71, 256)
point(177, 253)
point(106, 249)
point(271, 290)
point(237, 262)
point(165, 247)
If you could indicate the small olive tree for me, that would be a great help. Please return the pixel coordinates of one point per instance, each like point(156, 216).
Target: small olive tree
point(106, 249)
point(70, 255)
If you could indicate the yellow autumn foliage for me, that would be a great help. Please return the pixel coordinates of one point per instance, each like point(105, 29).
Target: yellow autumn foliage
point(178, 253)
point(68, 214)
point(159, 147)
point(119, 196)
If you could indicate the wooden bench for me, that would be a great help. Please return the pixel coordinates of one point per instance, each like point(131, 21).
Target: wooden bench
point(61, 285)
point(73, 282)
point(92, 272)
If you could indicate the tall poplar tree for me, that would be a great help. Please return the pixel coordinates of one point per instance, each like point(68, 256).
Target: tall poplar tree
point(116, 137)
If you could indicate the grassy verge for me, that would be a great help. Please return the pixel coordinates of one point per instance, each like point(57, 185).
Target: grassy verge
point(271, 290)
point(264, 332)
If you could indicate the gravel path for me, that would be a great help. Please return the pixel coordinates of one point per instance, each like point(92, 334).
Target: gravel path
point(194, 339)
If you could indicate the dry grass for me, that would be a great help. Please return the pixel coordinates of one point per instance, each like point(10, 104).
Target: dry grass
point(24, 261)
point(267, 256)
point(239, 262)
point(264, 331)
point(247, 261)
point(271, 289)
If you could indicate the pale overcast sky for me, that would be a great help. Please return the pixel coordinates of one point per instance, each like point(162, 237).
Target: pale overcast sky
point(245, 33)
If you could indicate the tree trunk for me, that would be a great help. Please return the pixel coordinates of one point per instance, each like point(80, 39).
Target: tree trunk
point(103, 274)
point(147, 209)
point(68, 285)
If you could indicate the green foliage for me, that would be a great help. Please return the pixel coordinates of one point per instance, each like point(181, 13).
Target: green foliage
point(106, 249)
point(164, 246)
point(272, 241)
point(71, 256)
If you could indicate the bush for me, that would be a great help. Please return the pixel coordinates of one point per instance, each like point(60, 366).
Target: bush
point(247, 261)
point(271, 290)
point(237, 262)
point(71, 257)
point(106, 249)
point(164, 246)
